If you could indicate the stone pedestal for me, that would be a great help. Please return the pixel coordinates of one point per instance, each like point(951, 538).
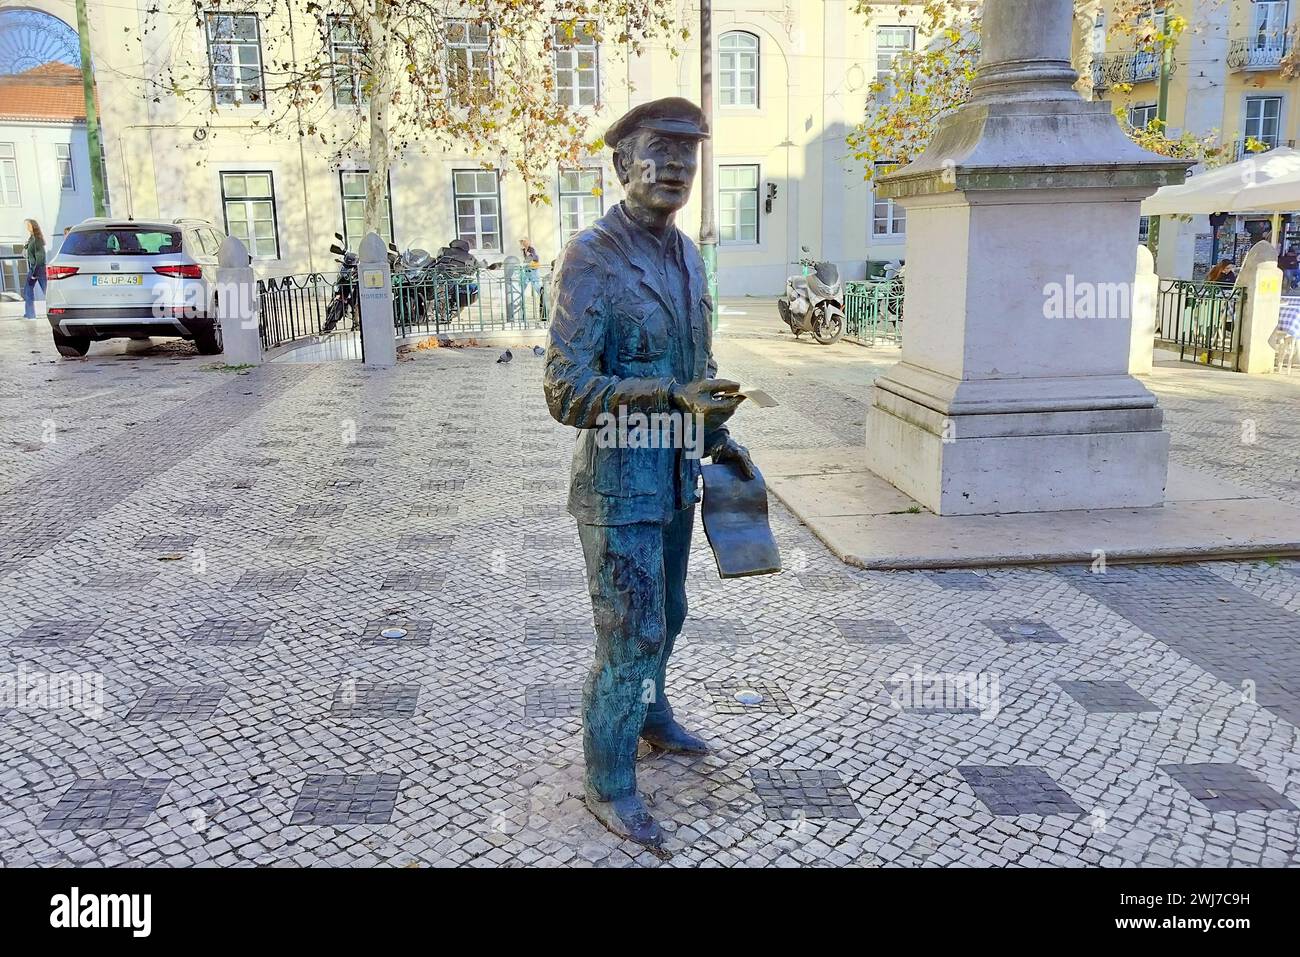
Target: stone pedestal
point(375, 290)
point(1146, 303)
point(241, 339)
point(1014, 392)
point(1262, 280)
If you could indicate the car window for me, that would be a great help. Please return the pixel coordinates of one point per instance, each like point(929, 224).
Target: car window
point(122, 242)
point(215, 239)
point(203, 243)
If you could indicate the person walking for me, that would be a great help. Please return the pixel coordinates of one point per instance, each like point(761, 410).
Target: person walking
point(1289, 263)
point(35, 253)
point(1223, 272)
point(531, 265)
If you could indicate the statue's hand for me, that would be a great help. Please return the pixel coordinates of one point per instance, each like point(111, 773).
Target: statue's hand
point(731, 451)
point(716, 399)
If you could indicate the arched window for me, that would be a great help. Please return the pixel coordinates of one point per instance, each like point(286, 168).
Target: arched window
point(738, 69)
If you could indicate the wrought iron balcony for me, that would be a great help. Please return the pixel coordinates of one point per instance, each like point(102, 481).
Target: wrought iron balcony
point(1240, 151)
point(1258, 52)
point(1132, 66)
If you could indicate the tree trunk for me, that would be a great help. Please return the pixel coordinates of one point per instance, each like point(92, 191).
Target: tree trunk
point(381, 67)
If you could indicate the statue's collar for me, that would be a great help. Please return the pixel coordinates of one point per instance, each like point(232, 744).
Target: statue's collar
point(634, 233)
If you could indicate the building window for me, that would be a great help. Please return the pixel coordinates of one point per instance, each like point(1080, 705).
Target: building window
point(887, 217)
point(8, 176)
point(469, 58)
point(1099, 33)
point(581, 201)
point(738, 205)
point(1269, 24)
point(346, 61)
point(1263, 119)
point(248, 203)
point(892, 43)
point(1141, 116)
point(67, 175)
point(1149, 23)
point(1144, 230)
point(738, 69)
point(235, 55)
point(577, 65)
point(478, 208)
point(352, 186)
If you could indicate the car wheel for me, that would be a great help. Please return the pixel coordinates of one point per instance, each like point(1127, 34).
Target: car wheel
point(71, 347)
point(209, 342)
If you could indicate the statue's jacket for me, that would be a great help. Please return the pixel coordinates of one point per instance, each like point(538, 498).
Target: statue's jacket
point(631, 315)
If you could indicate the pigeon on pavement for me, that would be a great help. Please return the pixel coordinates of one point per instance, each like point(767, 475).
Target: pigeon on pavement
point(505, 356)
point(538, 351)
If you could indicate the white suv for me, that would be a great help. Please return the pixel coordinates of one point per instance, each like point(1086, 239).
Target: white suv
point(135, 278)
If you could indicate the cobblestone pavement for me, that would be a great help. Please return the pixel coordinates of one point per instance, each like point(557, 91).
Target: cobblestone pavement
point(338, 617)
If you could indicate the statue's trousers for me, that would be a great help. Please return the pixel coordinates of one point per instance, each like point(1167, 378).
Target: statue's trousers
point(637, 578)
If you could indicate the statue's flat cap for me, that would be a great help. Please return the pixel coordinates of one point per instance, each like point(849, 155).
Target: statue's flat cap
point(672, 115)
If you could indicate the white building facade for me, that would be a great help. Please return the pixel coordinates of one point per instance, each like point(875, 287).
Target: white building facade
point(44, 165)
point(791, 81)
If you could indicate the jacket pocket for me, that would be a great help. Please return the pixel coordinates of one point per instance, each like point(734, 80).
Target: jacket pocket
point(625, 473)
point(642, 332)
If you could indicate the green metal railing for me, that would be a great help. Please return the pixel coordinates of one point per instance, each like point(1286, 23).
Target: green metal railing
point(1202, 320)
point(873, 310)
point(469, 300)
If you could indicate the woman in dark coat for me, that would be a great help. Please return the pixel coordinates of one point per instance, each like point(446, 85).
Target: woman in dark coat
point(35, 251)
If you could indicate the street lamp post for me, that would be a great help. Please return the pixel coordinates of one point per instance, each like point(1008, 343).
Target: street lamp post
point(1162, 114)
point(94, 147)
point(708, 217)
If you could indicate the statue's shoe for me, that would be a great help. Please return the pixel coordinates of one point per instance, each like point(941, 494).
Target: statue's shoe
point(628, 817)
point(671, 736)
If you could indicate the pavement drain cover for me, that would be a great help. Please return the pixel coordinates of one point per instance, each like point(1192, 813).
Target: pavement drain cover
point(393, 633)
point(748, 697)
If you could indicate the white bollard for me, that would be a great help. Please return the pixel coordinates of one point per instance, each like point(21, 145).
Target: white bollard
point(241, 339)
point(1146, 293)
point(1262, 280)
point(378, 338)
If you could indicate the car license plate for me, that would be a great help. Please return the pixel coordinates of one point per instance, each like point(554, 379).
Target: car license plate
point(116, 280)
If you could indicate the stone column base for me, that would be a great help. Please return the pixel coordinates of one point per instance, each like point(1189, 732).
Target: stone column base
point(983, 450)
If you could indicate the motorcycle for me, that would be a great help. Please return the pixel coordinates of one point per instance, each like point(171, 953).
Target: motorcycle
point(345, 298)
point(412, 286)
point(814, 301)
point(457, 274)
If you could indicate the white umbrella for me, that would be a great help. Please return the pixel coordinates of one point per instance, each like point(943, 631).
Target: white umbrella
point(1262, 182)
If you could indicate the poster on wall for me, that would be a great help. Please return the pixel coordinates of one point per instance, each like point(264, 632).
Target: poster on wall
point(1201, 255)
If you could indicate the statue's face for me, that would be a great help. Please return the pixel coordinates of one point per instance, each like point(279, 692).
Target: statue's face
point(661, 173)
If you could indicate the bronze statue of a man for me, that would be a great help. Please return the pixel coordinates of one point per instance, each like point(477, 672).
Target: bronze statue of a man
point(631, 334)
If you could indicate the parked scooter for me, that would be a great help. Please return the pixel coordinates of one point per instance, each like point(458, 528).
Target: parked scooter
point(345, 301)
point(814, 301)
